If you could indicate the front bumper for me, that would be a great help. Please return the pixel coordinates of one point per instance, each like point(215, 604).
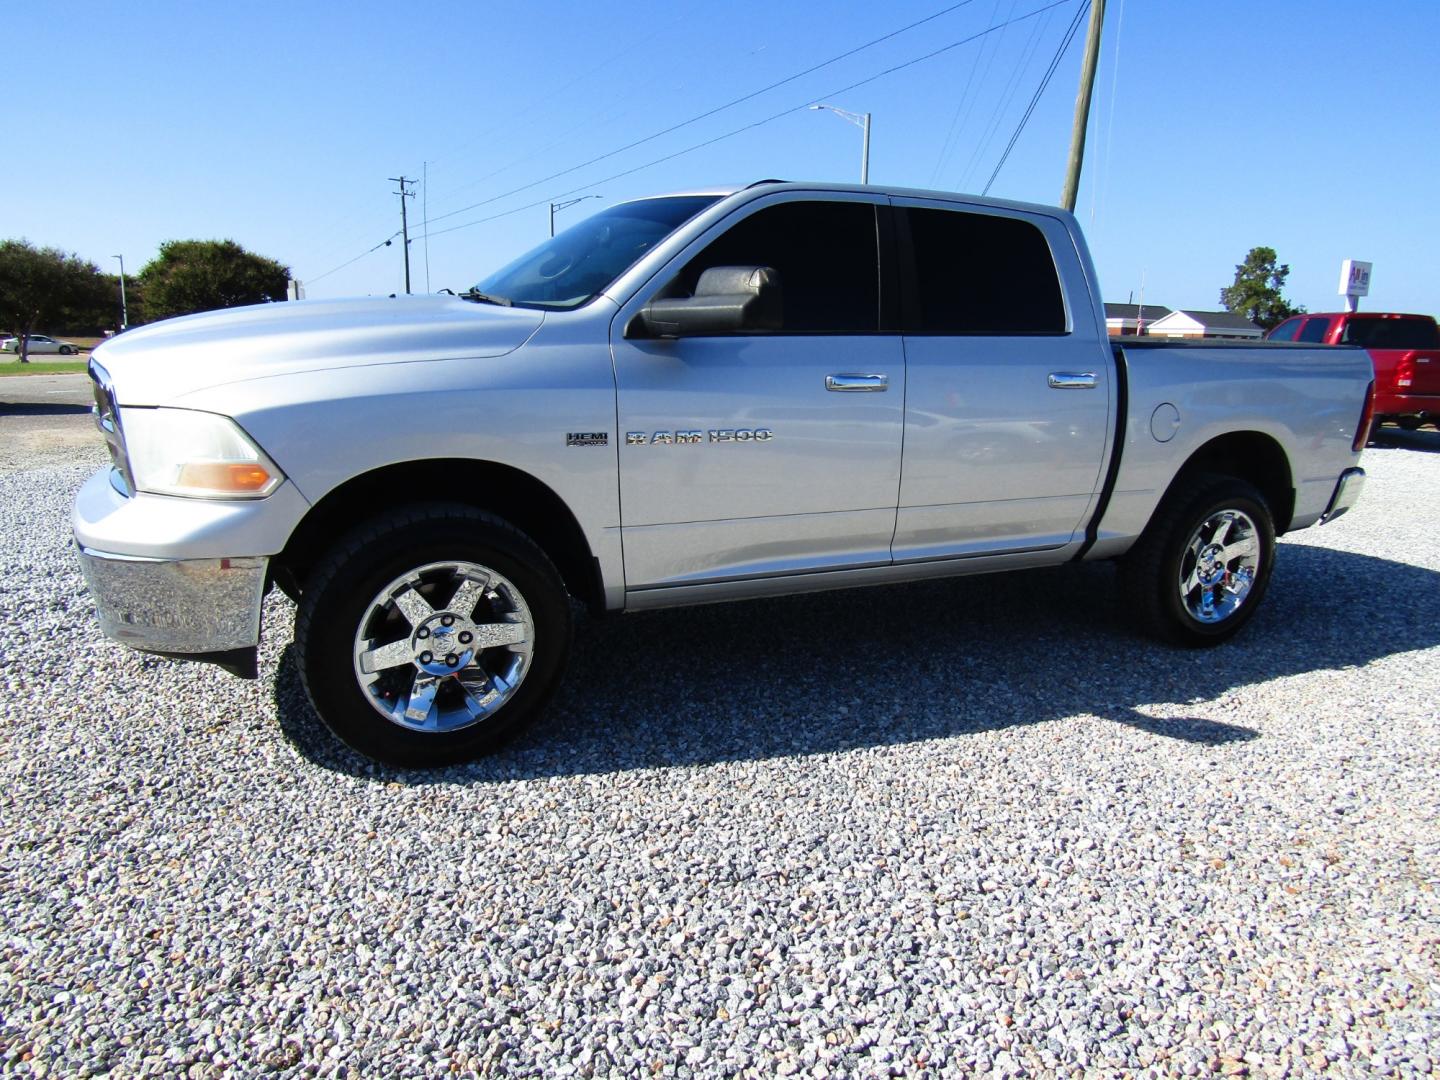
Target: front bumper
point(178, 606)
point(1347, 492)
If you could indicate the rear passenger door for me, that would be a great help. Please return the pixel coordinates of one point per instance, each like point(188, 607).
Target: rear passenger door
point(1008, 391)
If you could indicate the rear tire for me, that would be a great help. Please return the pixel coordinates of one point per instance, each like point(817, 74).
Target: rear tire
point(432, 635)
point(1200, 569)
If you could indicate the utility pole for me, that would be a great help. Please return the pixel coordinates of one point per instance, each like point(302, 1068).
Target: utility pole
point(1082, 106)
point(124, 308)
point(404, 224)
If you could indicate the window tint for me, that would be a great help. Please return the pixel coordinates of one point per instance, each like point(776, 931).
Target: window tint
point(978, 274)
point(1391, 333)
point(825, 253)
point(1286, 330)
point(1314, 330)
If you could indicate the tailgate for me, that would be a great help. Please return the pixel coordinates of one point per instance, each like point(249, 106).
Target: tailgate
point(1408, 371)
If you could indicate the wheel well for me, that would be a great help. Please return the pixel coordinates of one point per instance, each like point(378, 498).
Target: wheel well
point(1252, 457)
point(518, 497)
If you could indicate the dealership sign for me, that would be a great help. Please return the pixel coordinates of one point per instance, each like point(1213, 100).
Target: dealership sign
point(1354, 278)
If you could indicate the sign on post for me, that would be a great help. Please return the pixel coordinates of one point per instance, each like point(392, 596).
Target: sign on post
point(1354, 282)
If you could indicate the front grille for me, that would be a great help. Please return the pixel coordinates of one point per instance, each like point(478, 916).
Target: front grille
point(107, 419)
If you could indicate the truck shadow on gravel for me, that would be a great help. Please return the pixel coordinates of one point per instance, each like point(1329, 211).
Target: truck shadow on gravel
point(875, 667)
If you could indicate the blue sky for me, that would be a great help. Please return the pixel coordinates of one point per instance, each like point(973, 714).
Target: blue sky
point(1217, 126)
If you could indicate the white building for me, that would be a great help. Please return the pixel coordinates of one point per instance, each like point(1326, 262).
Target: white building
point(1205, 324)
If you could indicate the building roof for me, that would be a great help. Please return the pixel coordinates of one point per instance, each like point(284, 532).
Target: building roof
point(1222, 320)
point(1132, 311)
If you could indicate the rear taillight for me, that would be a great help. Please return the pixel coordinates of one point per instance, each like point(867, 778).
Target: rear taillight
point(1367, 417)
point(1405, 372)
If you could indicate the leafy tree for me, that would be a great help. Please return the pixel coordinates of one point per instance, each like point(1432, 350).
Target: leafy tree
point(201, 275)
point(1256, 292)
point(44, 286)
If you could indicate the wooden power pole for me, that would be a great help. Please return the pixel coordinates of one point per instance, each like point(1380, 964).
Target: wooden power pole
point(1082, 106)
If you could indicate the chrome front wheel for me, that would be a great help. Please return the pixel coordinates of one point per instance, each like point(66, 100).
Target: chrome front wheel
point(432, 634)
point(444, 646)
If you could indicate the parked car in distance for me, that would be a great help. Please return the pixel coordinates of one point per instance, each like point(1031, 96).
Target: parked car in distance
point(1405, 350)
point(39, 343)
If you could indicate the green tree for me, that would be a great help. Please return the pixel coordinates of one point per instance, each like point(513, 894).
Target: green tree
point(201, 275)
point(43, 287)
point(1256, 292)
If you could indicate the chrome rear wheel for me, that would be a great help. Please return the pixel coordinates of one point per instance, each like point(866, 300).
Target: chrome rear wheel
point(1219, 566)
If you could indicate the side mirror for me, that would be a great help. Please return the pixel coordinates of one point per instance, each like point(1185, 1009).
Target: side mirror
point(727, 300)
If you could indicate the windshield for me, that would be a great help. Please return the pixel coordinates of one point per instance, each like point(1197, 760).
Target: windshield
point(569, 269)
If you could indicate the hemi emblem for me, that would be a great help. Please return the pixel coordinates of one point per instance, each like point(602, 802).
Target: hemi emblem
point(587, 438)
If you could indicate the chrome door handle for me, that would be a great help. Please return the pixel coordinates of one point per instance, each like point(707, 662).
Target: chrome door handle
point(1072, 380)
point(851, 383)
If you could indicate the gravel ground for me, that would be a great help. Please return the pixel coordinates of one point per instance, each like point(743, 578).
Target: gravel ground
point(966, 826)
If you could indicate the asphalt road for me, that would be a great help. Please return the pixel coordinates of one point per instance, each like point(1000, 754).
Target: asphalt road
point(44, 390)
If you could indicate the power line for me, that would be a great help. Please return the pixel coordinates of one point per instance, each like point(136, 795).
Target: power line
point(708, 113)
point(758, 123)
point(707, 142)
point(1039, 90)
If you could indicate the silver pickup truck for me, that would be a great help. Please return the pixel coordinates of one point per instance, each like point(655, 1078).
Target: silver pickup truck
point(680, 400)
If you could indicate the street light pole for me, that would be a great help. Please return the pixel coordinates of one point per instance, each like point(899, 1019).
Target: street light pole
point(862, 121)
point(124, 308)
point(565, 205)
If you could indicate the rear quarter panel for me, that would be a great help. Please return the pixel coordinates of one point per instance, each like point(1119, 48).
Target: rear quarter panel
point(1307, 399)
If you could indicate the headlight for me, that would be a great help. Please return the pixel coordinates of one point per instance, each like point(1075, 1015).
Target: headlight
point(203, 455)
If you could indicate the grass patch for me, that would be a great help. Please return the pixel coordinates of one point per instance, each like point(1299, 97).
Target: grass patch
point(43, 367)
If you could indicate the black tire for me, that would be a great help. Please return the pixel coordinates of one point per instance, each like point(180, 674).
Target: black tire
point(338, 602)
point(1151, 572)
point(66, 350)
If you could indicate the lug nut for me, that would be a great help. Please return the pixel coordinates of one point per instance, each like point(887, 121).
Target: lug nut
point(451, 660)
point(447, 620)
point(466, 637)
point(422, 633)
point(426, 657)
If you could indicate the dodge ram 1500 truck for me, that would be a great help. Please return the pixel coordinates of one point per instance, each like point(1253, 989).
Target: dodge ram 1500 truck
point(684, 399)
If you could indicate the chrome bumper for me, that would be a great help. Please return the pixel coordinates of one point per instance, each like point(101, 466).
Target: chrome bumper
point(177, 606)
point(1347, 491)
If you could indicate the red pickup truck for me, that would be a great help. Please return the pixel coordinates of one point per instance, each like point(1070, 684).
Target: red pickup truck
point(1405, 350)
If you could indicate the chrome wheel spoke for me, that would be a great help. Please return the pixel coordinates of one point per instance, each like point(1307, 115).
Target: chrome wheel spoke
point(466, 597)
point(492, 635)
point(386, 656)
point(422, 699)
point(413, 606)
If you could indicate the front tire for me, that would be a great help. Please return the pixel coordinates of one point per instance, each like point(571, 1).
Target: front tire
point(66, 350)
point(432, 635)
point(1200, 569)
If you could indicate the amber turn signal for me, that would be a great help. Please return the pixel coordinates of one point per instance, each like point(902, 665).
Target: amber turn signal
point(239, 477)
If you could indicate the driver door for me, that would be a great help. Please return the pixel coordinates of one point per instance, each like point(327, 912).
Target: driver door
point(742, 456)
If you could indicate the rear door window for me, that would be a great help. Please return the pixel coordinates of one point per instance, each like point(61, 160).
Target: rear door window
point(1391, 333)
point(1314, 330)
point(981, 274)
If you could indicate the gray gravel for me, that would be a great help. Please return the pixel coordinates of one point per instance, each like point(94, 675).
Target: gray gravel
point(973, 825)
